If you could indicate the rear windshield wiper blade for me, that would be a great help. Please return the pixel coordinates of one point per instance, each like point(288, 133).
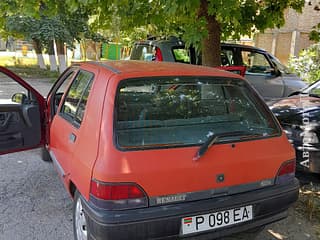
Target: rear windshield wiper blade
point(212, 139)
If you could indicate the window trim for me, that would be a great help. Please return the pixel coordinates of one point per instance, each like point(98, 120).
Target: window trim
point(71, 71)
point(257, 100)
point(72, 119)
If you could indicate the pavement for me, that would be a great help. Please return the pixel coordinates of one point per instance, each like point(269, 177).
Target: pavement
point(33, 202)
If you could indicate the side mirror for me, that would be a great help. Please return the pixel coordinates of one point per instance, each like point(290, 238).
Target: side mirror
point(274, 71)
point(19, 98)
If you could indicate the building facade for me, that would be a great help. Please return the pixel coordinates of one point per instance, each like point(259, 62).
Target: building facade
point(293, 37)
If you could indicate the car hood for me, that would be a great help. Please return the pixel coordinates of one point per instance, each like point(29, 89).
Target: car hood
point(295, 105)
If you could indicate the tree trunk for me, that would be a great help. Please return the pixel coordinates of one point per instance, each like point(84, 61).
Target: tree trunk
point(38, 49)
point(52, 57)
point(211, 47)
point(98, 46)
point(83, 47)
point(61, 56)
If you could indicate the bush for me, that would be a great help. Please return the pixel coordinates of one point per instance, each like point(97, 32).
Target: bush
point(307, 64)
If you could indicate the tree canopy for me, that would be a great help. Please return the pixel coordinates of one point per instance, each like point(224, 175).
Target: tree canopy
point(201, 23)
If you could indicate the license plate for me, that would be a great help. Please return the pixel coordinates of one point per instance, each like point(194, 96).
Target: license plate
point(215, 220)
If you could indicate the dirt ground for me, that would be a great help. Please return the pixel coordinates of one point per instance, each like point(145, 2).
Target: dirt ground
point(35, 206)
point(303, 221)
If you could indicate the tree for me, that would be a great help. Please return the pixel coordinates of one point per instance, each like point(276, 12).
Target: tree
point(307, 64)
point(315, 33)
point(23, 24)
point(45, 22)
point(27, 28)
point(203, 23)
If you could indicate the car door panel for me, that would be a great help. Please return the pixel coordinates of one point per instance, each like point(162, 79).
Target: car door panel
point(60, 145)
point(10, 134)
point(260, 73)
point(21, 123)
point(268, 84)
point(17, 123)
point(66, 121)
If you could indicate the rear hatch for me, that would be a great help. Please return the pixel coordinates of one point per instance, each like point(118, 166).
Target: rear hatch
point(188, 138)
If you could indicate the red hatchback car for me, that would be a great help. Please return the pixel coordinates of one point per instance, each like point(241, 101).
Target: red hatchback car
point(152, 150)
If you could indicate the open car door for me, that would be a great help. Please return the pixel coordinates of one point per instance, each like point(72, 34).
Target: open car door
point(22, 114)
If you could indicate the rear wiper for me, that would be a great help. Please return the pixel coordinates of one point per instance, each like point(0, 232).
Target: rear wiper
point(212, 139)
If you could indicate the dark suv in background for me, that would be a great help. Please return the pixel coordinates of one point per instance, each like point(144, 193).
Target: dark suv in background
point(264, 71)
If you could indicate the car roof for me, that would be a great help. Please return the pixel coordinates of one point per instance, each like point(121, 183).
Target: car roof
point(236, 45)
point(144, 68)
point(179, 42)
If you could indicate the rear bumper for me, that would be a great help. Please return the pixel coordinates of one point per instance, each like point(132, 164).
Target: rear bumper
point(164, 222)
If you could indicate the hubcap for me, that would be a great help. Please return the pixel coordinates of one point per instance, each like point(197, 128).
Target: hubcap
point(80, 222)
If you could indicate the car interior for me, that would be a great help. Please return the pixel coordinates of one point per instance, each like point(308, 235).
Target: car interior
point(20, 125)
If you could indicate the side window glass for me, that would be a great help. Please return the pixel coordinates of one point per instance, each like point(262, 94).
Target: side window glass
point(316, 90)
point(255, 62)
point(60, 91)
point(74, 104)
point(227, 57)
point(147, 53)
point(181, 55)
point(142, 52)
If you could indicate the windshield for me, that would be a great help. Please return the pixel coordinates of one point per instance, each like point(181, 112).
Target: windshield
point(314, 88)
point(279, 65)
point(178, 111)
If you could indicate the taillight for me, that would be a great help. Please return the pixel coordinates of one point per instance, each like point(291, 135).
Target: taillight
point(158, 55)
point(286, 172)
point(117, 196)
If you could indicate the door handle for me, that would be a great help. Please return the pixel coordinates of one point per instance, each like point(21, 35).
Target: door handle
point(72, 137)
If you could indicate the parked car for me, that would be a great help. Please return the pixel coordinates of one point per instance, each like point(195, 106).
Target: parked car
point(264, 71)
point(299, 115)
point(152, 150)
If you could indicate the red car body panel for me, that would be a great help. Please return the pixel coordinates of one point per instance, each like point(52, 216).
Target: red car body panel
point(88, 156)
point(149, 168)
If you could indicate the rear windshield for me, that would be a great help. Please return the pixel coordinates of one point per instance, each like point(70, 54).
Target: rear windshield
point(179, 111)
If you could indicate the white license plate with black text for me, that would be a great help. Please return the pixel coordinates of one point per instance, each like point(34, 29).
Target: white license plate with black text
point(216, 220)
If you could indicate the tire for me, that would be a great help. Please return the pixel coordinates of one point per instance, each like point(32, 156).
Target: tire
point(45, 156)
point(80, 228)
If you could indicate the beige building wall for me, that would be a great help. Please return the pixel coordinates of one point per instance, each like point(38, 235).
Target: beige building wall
point(290, 39)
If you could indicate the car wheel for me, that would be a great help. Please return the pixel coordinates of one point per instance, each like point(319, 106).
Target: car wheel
point(80, 228)
point(45, 156)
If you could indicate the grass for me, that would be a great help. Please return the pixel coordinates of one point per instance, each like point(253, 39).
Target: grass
point(33, 71)
point(310, 199)
point(308, 205)
point(26, 67)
